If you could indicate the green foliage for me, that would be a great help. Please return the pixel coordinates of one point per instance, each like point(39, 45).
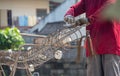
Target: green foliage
point(10, 38)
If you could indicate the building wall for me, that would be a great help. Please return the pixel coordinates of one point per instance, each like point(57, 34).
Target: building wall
point(55, 16)
point(24, 7)
point(0, 18)
point(3, 18)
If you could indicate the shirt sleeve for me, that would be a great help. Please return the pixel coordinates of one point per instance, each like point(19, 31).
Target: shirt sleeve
point(77, 9)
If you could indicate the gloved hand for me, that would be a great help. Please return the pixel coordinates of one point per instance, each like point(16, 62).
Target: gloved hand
point(69, 19)
point(81, 21)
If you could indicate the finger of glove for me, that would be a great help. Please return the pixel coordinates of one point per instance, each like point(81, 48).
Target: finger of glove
point(71, 20)
point(77, 23)
point(66, 19)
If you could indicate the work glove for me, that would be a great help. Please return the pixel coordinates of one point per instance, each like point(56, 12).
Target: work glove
point(81, 21)
point(69, 19)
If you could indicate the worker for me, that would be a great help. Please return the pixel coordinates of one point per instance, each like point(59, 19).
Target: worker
point(105, 36)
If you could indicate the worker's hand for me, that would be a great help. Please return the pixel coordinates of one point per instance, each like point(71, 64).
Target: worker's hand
point(69, 19)
point(81, 21)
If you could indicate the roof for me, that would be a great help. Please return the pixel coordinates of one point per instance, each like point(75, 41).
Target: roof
point(59, 1)
point(51, 27)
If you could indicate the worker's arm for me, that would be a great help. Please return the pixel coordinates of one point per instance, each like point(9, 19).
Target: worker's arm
point(74, 11)
point(77, 9)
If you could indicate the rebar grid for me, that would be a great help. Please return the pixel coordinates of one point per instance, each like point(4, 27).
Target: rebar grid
point(42, 52)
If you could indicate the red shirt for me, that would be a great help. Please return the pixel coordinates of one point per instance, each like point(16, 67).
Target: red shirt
point(105, 34)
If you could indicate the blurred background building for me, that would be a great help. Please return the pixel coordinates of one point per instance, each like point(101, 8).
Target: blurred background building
point(22, 12)
point(25, 13)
